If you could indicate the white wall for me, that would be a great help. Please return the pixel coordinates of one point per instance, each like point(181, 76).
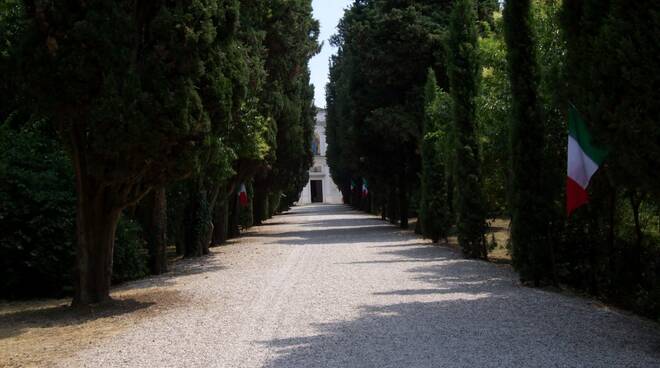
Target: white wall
point(331, 193)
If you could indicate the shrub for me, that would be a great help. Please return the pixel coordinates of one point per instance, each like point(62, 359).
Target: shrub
point(130, 255)
point(37, 213)
point(37, 218)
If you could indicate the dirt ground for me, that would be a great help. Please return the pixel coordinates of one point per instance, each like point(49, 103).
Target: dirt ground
point(40, 333)
point(499, 231)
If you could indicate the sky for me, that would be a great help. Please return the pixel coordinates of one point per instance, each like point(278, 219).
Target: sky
point(328, 13)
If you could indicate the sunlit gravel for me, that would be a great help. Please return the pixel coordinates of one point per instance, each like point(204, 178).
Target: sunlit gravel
point(324, 286)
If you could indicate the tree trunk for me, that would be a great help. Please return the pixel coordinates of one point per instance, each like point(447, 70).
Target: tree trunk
point(635, 204)
point(220, 225)
point(403, 201)
point(611, 229)
point(199, 226)
point(234, 229)
point(98, 208)
point(191, 248)
point(392, 206)
point(206, 236)
point(152, 215)
point(636, 264)
point(260, 203)
point(450, 196)
point(180, 240)
point(158, 233)
point(96, 222)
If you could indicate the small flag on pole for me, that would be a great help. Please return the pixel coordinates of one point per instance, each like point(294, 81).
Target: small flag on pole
point(584, 159)
point(243, 196)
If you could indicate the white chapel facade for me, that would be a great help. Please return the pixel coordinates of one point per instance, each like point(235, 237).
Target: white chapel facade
point(320, 188)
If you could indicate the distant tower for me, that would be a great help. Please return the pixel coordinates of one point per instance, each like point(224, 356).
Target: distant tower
point(320, 188)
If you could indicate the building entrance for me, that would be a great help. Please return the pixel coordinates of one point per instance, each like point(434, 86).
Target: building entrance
point(316, 187)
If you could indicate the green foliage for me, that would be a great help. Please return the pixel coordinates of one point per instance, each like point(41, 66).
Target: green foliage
point(612, 57)
point(464, 72)
point(11, 28)
point(493, 109)
point(130, 257)
point(290, 41)
point(198, 219)
point(299, 163)
point(249, 137)
point(140, 94)
point(611, 53)
point(164, 117)
point(218, 92)
point(376, 92)
point(434, 207)
point(37, 212)
point(531, 204)
point(37, 218)
point(600, 57)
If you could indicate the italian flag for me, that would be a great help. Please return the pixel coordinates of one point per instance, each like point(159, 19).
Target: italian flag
point(583, 160)
point(243, 196)
point(365, 188)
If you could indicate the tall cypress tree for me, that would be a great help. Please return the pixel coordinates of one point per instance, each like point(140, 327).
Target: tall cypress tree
point(291, 40)
point(121, 84)
point(434, 213)
point(531, 204)
point(464, 81)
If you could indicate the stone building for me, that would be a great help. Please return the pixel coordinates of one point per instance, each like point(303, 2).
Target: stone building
point(320, 188)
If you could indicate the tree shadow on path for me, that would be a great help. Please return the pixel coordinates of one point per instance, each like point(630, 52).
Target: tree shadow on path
point(474, 321)
point(467, 314)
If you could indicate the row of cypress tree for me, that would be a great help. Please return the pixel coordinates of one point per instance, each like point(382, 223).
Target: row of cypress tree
point(164, 109)
point(459, 108)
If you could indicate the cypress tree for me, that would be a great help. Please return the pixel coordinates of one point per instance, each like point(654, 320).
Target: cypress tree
point(464, 82)
point(121, 84)
point(434, 213)
point(291, 40)
point(531, 205)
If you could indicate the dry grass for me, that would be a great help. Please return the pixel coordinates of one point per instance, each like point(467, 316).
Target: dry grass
point(40, 333)
point(499, 231)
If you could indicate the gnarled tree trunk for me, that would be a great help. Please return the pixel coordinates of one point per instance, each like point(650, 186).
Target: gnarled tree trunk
point(96, 222)
point(99, 207)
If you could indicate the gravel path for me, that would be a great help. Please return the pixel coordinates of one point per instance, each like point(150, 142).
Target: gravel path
point(324, 286)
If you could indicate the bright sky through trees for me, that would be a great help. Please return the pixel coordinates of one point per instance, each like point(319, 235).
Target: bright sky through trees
point(328, 12)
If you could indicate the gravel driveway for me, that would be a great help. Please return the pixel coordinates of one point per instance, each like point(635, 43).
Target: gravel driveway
point(324, 286)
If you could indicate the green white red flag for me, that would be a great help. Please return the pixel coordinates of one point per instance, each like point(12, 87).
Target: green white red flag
point(243, 196)
point(584, 159)
point(365, 188)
